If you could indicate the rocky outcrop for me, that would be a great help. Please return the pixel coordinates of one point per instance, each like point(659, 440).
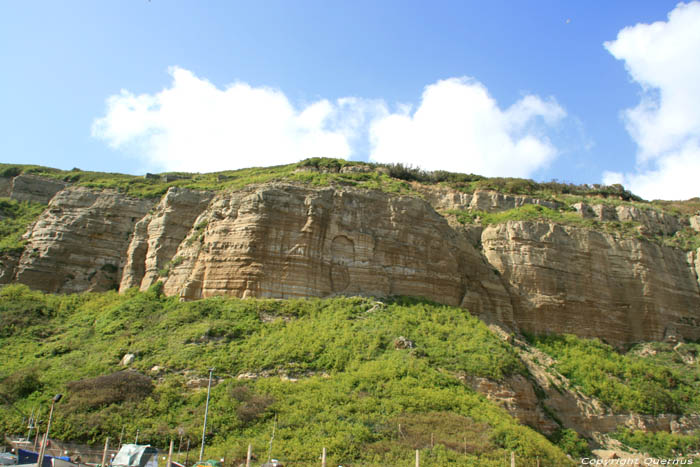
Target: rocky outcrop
point(695, 222)
point(5, 187)
point(80, 241)
point(480, 200)
point(8, 264)
point(283, 241)
point(651, 220)
point(517, 395)
point(158, 235)
point(568, 280)
point(34, 188)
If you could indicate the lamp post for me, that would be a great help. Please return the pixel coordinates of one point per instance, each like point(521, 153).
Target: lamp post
point(206, 412)
point(42, 449)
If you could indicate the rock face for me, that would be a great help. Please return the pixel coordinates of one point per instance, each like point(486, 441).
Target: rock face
point(569, 280)
point(284, 241)
point(481, 200)
point(157, 236)
point(651, 220)
point(33, 188)
point(80, 241)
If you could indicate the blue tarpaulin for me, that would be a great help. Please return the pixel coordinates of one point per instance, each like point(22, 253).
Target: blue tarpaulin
point(30, 457)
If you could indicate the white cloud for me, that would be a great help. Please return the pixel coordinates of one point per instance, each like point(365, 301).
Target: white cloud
point(459, 127)
point(195, 126)
point(663, 58)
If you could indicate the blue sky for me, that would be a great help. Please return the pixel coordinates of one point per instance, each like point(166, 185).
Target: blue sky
point(499, 88)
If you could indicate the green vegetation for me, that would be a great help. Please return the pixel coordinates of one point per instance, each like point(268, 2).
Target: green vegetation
point(316, 172)
point(320, 172)
point(531, 212)
point(330, 372)
point(686, 239)
point(659, 444)
point(571, 443)
point(15, 218)
point(654, 384)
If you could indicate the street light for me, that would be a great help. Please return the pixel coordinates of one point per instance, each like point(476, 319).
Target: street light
point(206, 412)
point(42, 450)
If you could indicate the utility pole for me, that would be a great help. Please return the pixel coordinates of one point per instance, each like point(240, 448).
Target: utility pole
point(104, 453)
point(42, 450)
point(206, 412)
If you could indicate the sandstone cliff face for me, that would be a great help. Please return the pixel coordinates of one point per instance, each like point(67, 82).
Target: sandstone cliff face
point(157, 236)
point(32, 188)
point(284, 241)
point(281, 241)
point(80, 241)
point(480, 200)
point(568, 280)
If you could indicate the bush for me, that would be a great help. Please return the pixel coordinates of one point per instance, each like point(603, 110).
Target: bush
point(115, 388)
point(20, 384)
point(252, 405)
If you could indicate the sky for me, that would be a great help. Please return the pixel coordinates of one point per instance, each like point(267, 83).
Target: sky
point(581, 92)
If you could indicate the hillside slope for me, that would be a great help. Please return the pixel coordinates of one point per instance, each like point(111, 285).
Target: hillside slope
point(594, 261)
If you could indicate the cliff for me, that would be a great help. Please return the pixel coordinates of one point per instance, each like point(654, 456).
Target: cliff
point(602, 270)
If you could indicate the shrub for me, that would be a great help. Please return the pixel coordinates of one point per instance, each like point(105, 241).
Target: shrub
point(20, 384)
point(122, 386)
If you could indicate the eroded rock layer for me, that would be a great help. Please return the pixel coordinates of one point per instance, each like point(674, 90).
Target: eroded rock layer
point(157, 236)
point(284, 241)
point(569, 280)
point(80, 241)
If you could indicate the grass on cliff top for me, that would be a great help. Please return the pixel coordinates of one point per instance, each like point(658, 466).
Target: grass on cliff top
point(15, 218)
point(652, 382)
point(386, 177)
point(356, 382)
point(319, 172)
point(686, 239)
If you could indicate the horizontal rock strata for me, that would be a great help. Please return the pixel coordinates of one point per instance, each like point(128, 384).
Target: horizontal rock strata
point(80, 241)
point(568, 280)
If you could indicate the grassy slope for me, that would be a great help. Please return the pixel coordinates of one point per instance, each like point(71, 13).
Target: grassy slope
point(354, 386)
point(651, 378)
point(15, 217)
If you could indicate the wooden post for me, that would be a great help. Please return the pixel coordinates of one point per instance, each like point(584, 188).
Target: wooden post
point(538, 462)
point(187, 454)
point(432, 442)
point(512, 459)
point(417, 458)
point(323, 458)
point(104, 453)
point(170, 454)
point(465, 445)
point(250, 454)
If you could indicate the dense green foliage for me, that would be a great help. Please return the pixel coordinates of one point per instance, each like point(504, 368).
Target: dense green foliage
point(15, 218)
point(659, 444)
point(656, 384)
point(318, 171)
point(321, 172)
point(330, 373)
point(571, 443)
